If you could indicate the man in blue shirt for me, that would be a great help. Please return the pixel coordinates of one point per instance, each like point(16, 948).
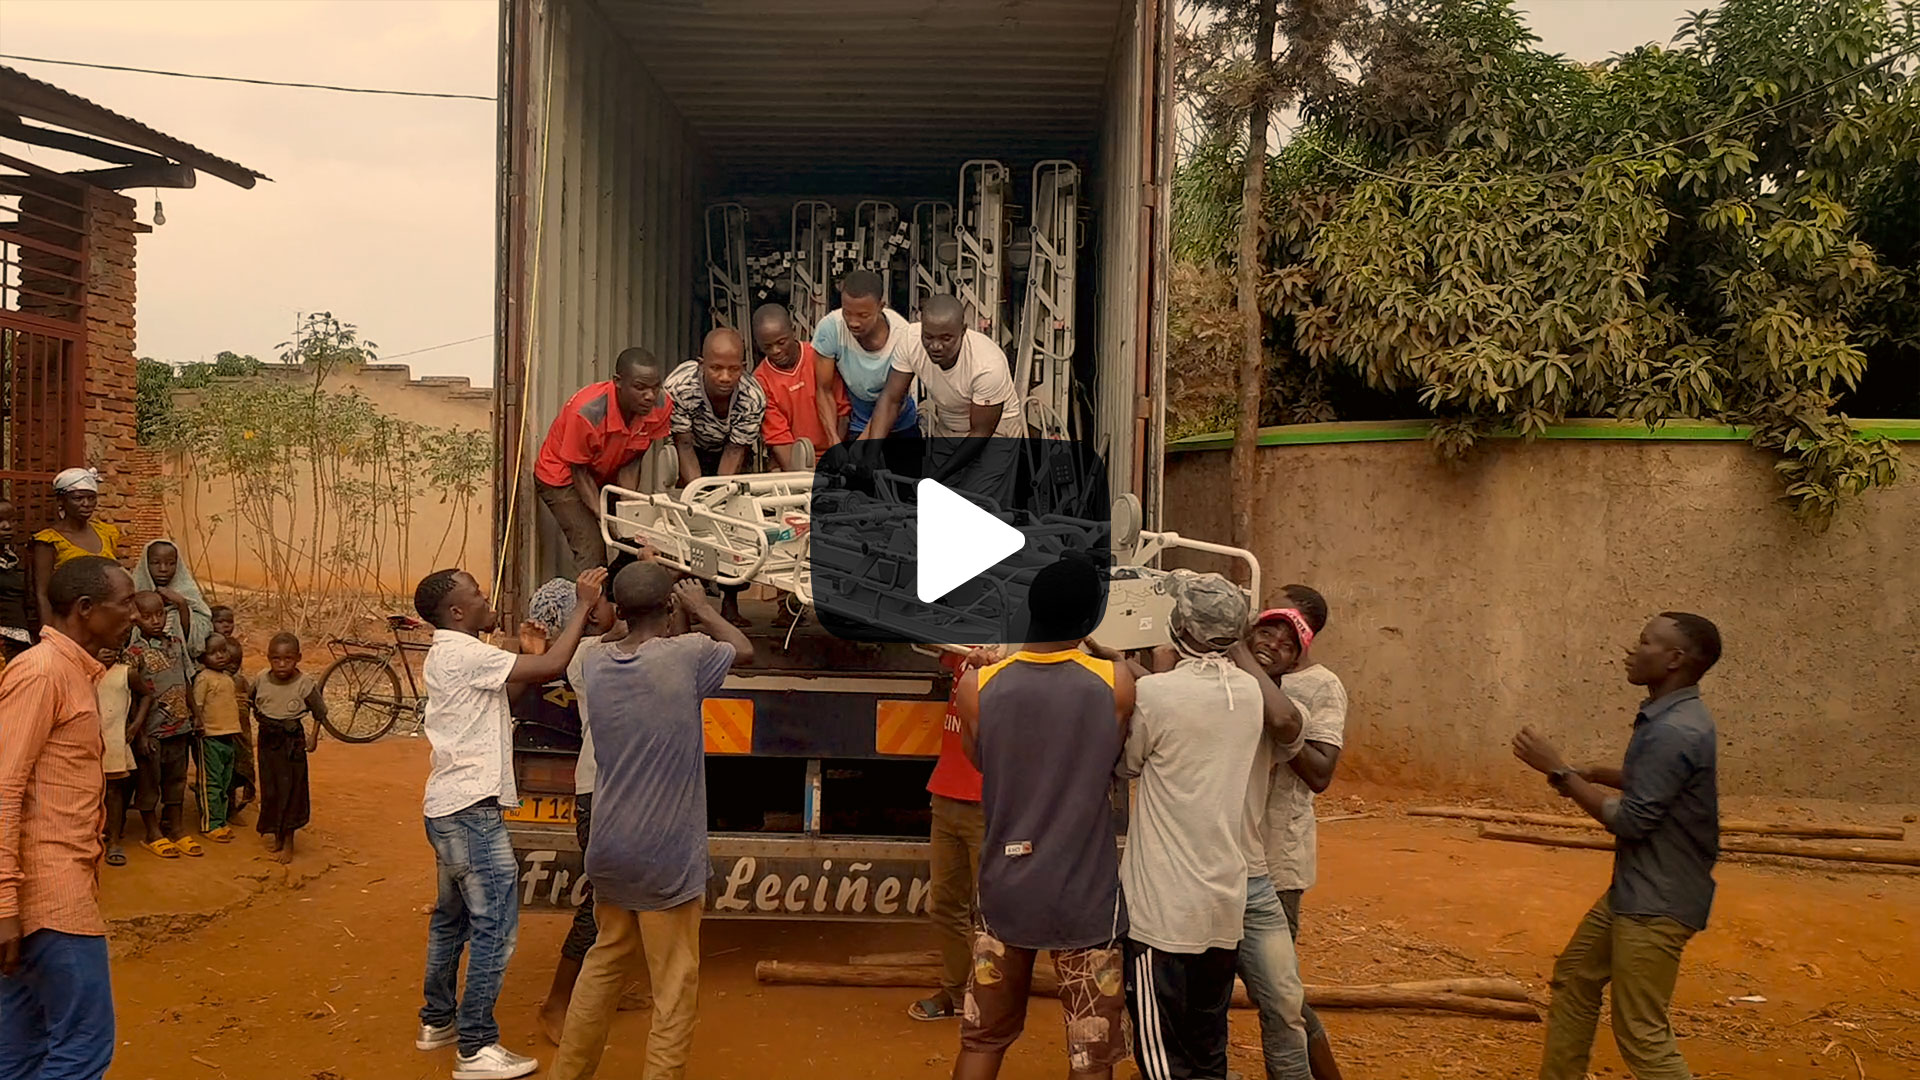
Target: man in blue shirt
point(1666, 826)
point(857, 343)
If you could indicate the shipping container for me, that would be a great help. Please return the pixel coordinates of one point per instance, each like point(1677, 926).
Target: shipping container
point(621, 123)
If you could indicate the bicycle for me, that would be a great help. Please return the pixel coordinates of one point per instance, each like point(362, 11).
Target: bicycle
point(361, 690)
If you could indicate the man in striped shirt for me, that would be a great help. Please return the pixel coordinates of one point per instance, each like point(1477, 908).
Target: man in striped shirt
point(56, 1006)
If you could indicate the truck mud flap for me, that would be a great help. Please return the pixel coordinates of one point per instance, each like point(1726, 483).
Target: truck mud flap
point(761, 876)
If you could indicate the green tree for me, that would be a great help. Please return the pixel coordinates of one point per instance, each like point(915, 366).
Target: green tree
point(1719, 228)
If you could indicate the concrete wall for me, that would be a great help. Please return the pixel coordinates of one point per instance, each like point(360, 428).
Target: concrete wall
point(222, 547)
point(1467, 601)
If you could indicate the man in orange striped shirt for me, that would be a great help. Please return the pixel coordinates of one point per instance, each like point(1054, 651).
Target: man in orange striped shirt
point(56, 1005)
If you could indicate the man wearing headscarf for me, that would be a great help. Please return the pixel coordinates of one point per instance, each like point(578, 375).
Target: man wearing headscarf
point(549, 609)
point(1201, 737)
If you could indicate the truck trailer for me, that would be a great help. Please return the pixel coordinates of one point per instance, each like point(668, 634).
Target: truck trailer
point(638, 139)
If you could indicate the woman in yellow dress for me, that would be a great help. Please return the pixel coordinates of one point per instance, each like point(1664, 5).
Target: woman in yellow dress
point(74, 532)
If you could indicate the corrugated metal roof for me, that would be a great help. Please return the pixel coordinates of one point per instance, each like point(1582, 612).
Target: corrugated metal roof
point(876, 95)
point(28, 97)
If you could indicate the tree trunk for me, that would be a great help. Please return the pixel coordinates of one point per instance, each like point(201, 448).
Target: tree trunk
point(1797, 849)
point(1727, 825)
point(1246, 430)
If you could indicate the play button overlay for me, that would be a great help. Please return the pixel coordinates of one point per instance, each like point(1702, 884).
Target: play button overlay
point(957, 541)
point(937, 541)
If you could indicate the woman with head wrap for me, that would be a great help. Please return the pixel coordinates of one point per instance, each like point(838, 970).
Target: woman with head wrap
point(162, 570)
point(74, 532)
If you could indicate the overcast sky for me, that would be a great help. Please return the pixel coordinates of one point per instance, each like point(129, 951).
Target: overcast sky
point(380, 208)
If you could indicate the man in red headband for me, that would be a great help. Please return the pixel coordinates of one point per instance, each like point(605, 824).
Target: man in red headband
point(1282, 642)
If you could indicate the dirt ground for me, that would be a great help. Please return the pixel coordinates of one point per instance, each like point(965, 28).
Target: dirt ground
point(234, 966)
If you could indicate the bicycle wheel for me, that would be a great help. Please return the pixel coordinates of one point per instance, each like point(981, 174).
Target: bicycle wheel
point(363, 698)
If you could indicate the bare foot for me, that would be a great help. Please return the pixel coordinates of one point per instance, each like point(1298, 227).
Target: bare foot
point(273, 842)
point(553, 1019)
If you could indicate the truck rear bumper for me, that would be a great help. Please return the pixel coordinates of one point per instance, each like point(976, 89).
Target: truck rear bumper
point(755, 875)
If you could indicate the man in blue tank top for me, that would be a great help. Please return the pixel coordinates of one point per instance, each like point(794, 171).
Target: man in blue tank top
point(1045, 727)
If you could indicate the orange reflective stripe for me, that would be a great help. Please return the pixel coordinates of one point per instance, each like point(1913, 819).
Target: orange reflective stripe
point(909, 728)
point(727, 724)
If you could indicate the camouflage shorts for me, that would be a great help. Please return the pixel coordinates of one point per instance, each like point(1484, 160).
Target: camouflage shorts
point(1092, 1000)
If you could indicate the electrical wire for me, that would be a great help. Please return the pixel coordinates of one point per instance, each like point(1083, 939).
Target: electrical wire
point(250, 82)
point(435, 348)
point(1576, 170)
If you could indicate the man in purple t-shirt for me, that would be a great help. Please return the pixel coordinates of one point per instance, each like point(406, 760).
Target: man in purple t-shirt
point(648, 860)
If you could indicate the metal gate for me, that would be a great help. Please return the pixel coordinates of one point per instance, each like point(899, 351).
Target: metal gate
point(43, 318)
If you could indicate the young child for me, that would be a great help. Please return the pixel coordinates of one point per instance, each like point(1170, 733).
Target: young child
point(240, 793)
point(283, 700)
point(163, 731)
point(15, 633)
point(116, 760)
point(216, 695)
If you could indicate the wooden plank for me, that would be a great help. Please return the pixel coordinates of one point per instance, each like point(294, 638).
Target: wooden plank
point(1798, 849)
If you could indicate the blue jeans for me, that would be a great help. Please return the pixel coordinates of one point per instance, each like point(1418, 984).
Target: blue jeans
point(56, 1010)
point(478, 909)
point(1271, 970)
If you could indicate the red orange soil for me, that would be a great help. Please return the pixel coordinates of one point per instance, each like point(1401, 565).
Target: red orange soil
point(234, 966)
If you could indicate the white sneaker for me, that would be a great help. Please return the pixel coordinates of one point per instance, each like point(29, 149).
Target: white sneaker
point(494, 1062)
point(433, 1038)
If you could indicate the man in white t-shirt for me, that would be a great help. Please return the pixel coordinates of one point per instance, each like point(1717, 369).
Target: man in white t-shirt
point(469, 786)
point(975, 404)
point(1292, 830)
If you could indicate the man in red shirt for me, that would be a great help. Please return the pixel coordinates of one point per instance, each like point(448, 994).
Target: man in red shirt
point(954, 857)
point(793, 402)
point(598, 439)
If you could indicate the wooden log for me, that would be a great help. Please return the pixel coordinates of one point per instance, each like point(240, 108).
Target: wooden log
point(1047, 984)
point(895, 959)
point(1729, 825)
point(1473, 986)
point(1798, 849)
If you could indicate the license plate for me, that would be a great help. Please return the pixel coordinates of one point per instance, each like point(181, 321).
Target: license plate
point(543, 810)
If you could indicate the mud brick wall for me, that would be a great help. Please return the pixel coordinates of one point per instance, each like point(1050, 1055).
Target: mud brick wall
point(1467, 601)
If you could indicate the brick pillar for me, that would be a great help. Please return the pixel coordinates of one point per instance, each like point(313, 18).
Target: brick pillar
point(128, 471)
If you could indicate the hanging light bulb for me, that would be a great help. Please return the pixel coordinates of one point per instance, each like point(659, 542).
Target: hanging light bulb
point(159, 213)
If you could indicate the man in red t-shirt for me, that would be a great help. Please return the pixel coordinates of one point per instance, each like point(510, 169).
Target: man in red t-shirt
point(954, 858)
point(598, 439)
point(793, 403)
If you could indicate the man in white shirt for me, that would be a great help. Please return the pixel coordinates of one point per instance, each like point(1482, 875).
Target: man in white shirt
point(1292, 829)
point(975, 404)
point(470, 783)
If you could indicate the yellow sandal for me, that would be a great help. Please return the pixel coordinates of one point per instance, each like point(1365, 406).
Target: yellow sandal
point(190, 847)
point(161, 847)
point(221, 835)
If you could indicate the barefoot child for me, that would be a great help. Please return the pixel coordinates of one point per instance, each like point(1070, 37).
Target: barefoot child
point(166, 725)
point(216, 694)
point(116, 759)
point(284, 699)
